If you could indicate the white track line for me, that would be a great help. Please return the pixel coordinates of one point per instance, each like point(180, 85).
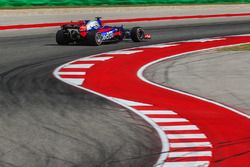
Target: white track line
point(76, 81)
point(187, 164)
point(95, 58)
point(78, 66)
point(205, 40)
point(157, 112)
point(123, 52)
point(162, 120)
point(190, 154)
point(158, 46)
point(190, 144)
point(72, 73)
point(186, 136)
point(130, 103)
point(180, 127)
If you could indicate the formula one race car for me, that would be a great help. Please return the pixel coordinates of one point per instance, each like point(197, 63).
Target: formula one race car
point(93, 32)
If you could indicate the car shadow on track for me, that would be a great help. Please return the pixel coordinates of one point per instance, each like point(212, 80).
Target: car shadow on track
point(85, 44)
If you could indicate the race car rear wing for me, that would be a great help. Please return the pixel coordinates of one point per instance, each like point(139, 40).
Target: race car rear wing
point(71, 26)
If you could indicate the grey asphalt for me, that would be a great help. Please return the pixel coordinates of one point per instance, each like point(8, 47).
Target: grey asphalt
point(221, 76)
point(45, 122)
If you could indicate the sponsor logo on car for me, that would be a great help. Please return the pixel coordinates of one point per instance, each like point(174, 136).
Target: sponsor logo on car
point(107, 35)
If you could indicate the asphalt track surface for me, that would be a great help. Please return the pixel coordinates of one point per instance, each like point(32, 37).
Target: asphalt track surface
point(47, 123)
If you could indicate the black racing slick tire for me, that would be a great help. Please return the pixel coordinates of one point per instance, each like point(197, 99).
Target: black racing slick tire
point(94, 38)
point(61, 37)
point(137, 34)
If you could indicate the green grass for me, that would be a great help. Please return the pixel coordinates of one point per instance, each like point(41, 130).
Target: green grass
point(245, 47)
point(127, 5)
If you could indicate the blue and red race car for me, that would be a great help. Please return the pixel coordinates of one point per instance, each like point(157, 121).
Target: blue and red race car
point(93, 32)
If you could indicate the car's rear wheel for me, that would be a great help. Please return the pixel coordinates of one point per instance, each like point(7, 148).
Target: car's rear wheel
point(94, 38)
point(137, 34)
point(62, 37)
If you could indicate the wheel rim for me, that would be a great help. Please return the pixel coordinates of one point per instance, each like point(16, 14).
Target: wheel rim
point(140, 33)
point(98, 38)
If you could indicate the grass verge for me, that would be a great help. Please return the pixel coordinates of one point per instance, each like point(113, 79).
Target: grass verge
point(245, 47)
point(128, 5)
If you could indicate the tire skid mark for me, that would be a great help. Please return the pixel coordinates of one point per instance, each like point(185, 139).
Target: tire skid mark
point(185, 124)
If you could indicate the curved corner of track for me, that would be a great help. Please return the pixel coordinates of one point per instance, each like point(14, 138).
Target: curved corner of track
point(194, 132)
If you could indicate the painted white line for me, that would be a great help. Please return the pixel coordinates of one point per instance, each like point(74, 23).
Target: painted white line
point(130, 103)
point(205, 40)
point(242, 35)
point(75, 81)
point(158, 112)
point(78, 66)
point(187, 164)
point(190, 154)
point(159, 46)
point(72, 73)
point(186, 136)
point(190, 144)
point(126, 52)
point(95, 58)
point(159, 120)
point(181, 127)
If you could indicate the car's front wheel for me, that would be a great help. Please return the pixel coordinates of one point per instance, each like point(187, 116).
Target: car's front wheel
point(137, 34)
point(94, 38)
